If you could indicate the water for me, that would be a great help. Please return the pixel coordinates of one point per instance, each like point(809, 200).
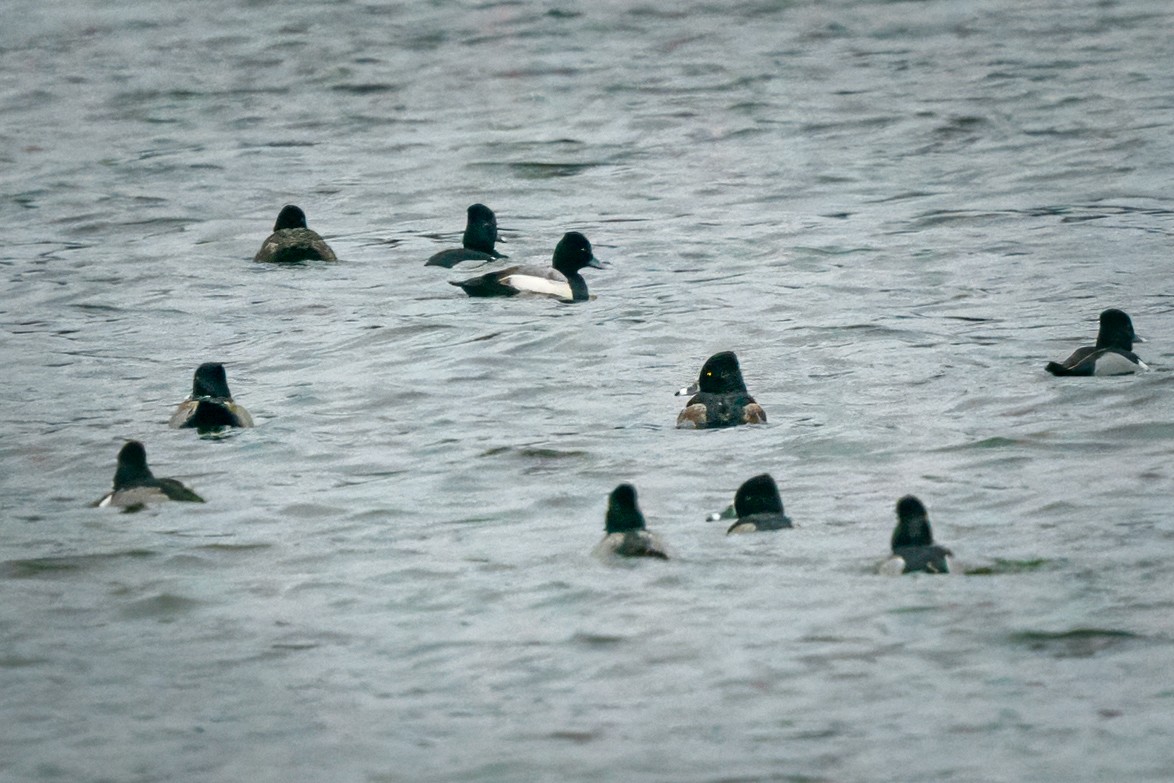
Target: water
point(895, 212)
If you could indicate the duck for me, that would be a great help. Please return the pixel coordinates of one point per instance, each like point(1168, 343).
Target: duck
point(561, 279)
point(477, 242)
point(292, 241)
point(625, 534)
point(913, 548)
point(720, 398)
point(210, 406)
point(135, 486)
point(758, 506)
point(1112, 355)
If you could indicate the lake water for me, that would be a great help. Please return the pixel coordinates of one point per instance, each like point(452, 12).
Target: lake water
point(895, 212)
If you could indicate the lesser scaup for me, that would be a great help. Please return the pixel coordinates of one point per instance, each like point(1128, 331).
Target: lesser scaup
point(292, 241)
point(912, 543)
point(135, 486)
point(1112, 355)
point(560, 279)
point(758, 506)
point(477, 242)
point(210, 405)
point(626, 535)
point(719, 397)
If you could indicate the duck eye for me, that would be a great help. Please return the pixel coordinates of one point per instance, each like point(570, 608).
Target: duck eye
point(709, 373)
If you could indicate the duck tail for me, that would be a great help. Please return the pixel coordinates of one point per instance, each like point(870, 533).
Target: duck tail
point(485, 285)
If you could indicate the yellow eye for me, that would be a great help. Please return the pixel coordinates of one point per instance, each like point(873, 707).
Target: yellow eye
point(709, 373)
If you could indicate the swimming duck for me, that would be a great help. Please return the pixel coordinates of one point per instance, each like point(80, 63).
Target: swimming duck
point(625, 534)
point(913, 546)
point(560, 279)
point(292, 241)
point(719, 397)
point(759, 506)
point(1112, 355)
point(135, 486)
point(477, 242)
point(210, 405)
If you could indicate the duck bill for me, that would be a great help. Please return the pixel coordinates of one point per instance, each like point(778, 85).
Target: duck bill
point(688, 391)
point(596, 263)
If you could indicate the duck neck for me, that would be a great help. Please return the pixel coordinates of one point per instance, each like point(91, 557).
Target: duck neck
point(578, 286)
point(1115, 339)
point(132, 476)
point(477, 240)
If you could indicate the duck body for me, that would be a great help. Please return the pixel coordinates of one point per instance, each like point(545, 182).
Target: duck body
point(931, 559)
point(561, 279)
point(761, 522)
point(914, 550)
point(515, 280)
point(210, 406)
point(634, 543)
point(455, 255)
point(209, 414)
point(1112, 355)
point(720, 398)
point(625, 534)
point(706, 410)
point(292, 241)
point(759, 506)
point(135, 486)
point(1098, 361)
point(477, 243)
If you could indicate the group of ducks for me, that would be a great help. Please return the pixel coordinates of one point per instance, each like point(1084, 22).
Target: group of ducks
point(292, 241)
point(209, 408)
point(719, 398)
point(757, 506)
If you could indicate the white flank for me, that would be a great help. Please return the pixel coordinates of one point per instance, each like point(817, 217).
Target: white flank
point(607, 547)
point(1111, 363)
point(539, 285)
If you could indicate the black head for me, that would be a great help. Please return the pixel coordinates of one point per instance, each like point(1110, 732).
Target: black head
point(290, 217)
point(759, 495)
point(572, 253)
point(721, 374)
point(1116, 331)
point(912, 524)
point(132, 466)
point(210, 381)
point(480, 229)
point(622, 512)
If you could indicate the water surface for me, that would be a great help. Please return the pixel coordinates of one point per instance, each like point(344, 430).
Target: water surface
point(896, 213)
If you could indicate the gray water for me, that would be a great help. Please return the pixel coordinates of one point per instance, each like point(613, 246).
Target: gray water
point(894, 212)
